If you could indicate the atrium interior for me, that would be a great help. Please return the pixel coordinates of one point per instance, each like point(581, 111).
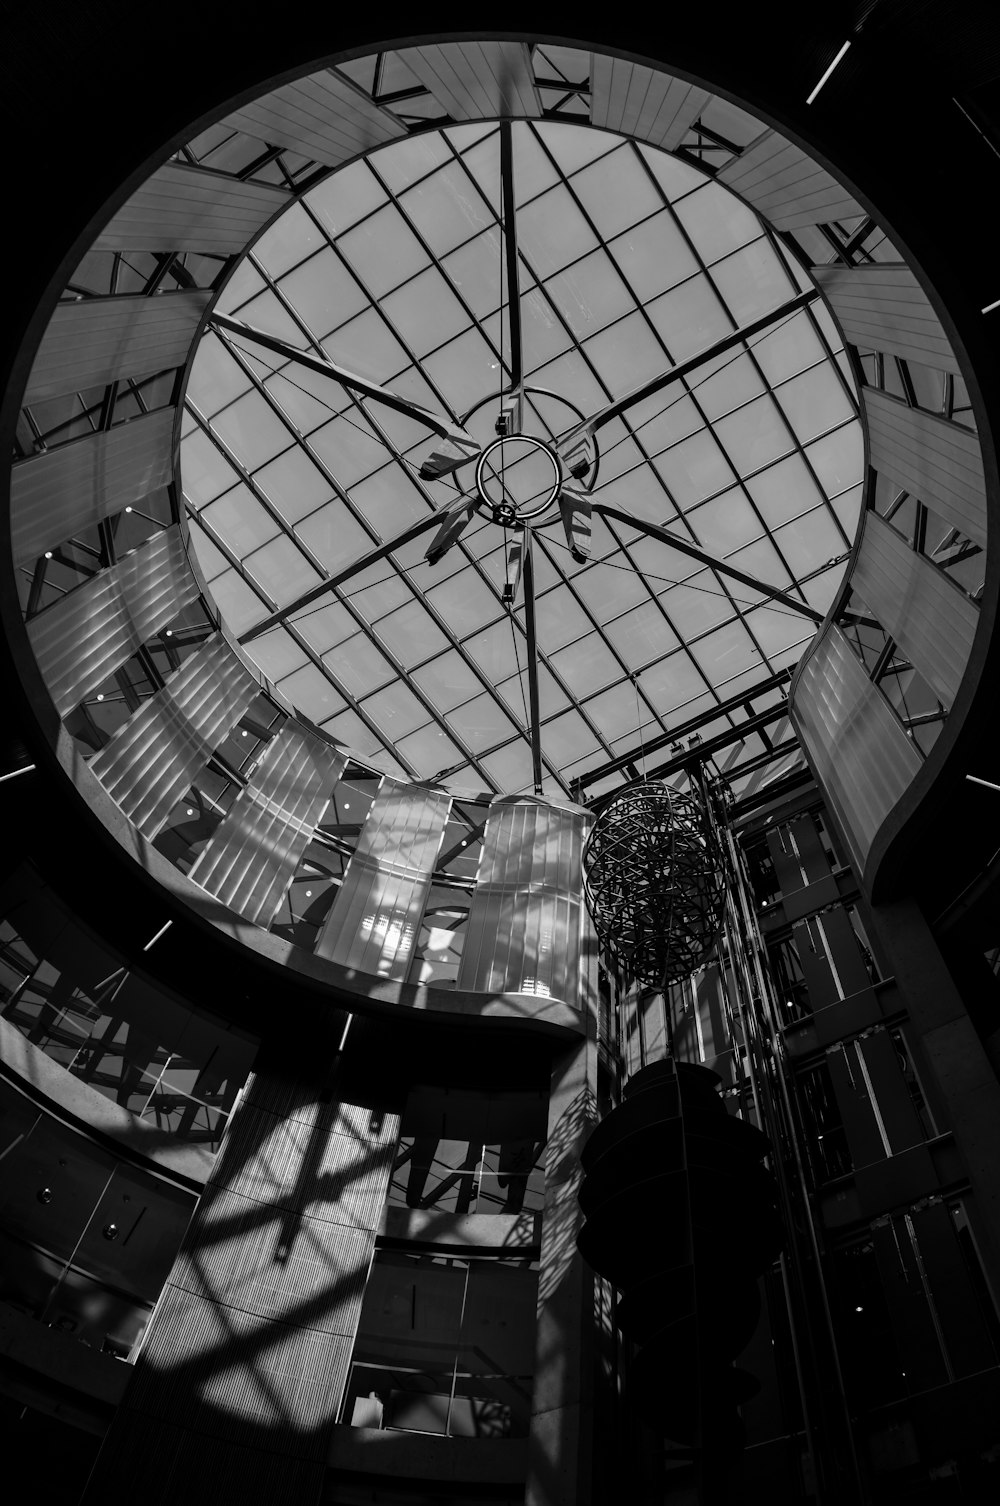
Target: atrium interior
point(498, 947)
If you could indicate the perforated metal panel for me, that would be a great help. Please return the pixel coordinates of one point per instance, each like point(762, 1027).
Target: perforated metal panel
point(252, 857)
point(629, 98)
point(525, 926)
point(56, 495)
point(859, 751)
point(85, 637)
point(477, 80)
point(787, 187)
point(931, 619)
point(941, 463)
point(99, 340)
point(183, 208)
point(884, 308)
point(324, 116)
point(375, 918)
point(150, 762)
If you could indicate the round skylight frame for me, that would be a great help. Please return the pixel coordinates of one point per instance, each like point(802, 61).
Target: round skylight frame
point(39, 686)
point(465, 772)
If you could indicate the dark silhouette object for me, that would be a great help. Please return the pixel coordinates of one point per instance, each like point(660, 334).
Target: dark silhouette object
point(682, 1219)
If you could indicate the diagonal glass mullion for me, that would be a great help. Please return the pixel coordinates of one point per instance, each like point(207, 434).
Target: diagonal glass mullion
point(374, 391)
point(584, 357)
point(679, 372)
point(772, 391)
point(249, 481)
point(719, 566)
point(432, 261)
point(849, 391)
point(657, 600)
point(432, 518)
point(770, 593)
point(752, 358)
point(640, 447)
point(546, 547)
point(382, 551)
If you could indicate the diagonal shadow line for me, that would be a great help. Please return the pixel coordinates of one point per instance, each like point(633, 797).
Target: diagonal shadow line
point(259, 1213)
point(328, 1188)
point(261, 1377)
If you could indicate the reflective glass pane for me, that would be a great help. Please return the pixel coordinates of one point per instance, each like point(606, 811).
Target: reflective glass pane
point(395, 710)
point(289, 240)
point(616, 192)
point(251, 430)
point(653, 256)
point(292, 485)
point(753, 280)
point(240, 519)
point(446, 209)
point(754, 435)
point(694, 469)
point(358, 665)
point(346, 197)
point(282, 570)
point(383, 251)
point(689, 318)
point(552, 232)
point(239, 603)
point(333, 537)
point(716, 221)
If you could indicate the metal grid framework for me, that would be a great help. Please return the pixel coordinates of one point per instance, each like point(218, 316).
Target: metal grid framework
point(622, 724)
point(630, 261)
point(654, 882)
point(632, 661)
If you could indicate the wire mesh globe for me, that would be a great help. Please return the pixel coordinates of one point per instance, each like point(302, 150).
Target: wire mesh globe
point(654, 883)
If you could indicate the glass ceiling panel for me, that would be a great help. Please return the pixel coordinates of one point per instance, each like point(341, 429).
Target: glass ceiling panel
point(630, 261)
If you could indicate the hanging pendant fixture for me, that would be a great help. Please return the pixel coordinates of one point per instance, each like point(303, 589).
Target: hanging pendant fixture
point(654, 882)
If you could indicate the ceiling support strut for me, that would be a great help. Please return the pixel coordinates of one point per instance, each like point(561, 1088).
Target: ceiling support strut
point(684, 546)
point(534, 714)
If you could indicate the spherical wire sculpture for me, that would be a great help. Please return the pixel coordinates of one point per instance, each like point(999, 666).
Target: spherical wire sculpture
point(654, 882)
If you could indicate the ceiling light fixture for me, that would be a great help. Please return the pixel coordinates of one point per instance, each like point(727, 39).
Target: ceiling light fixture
point(826, 75)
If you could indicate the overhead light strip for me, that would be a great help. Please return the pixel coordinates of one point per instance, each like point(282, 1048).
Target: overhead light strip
point(826, 75)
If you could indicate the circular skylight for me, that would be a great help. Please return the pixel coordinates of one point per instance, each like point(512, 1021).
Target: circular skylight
point(671, 374)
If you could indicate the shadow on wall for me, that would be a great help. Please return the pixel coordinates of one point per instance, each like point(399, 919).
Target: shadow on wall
point(243, 1366)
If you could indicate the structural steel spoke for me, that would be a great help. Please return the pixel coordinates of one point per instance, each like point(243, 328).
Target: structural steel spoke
point(315, 592)
point(509, 219)
point(572, 441)
point(534, 712)
point(770, 593)
point(460, 445)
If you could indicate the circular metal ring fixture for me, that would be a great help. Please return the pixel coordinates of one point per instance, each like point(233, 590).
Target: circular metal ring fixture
point(518, 478)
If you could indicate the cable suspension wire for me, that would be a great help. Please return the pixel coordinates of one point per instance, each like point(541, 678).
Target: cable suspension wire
point(336, 412)
point(639, 724)
point(742, 601)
